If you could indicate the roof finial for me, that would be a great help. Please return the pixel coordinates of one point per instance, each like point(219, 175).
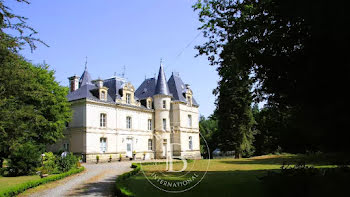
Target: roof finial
point(86, 63)
point(161, 61)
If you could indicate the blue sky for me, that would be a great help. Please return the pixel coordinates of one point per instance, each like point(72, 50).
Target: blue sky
point(114, 33)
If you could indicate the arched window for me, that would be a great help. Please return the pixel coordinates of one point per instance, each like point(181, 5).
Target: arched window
point(103, 120)
point(128, 122)
point(190, 145)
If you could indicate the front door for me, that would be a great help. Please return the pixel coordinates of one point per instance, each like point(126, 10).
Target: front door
point(129, 147)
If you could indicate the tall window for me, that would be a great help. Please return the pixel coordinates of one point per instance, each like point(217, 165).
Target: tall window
point(128, 98)
point(190, 146)
point(149, 104)
point(189, 121)
point(164, 124)
point(164, 104)
point(149, 144)
point(103, 144)
point(149, 124)
point(128, 122)
point(103, 120)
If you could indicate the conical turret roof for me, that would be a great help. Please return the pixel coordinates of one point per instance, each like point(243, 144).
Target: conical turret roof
point(162, 85)
point(85, 78)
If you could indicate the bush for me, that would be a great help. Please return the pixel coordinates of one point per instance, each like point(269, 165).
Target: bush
point(49, 164)
point(15, 190)
point(24, 159)
point(68, 162)
point(121, 190)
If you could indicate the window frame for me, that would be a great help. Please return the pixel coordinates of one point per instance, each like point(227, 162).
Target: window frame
point(190, 143)
point(164, 124)
point(127, 98)
point(150, 144)
point(189, 120)
point(128, 122)
point(149, 124)
point(103, 141)
point(164, 104)
point(103, 120)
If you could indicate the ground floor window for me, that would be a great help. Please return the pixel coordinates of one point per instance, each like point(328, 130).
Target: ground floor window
point(149, 144)
point(103, 144)
point(66, 146)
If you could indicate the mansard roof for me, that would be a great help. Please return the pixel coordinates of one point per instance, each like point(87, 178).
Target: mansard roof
point(178, 88)
point(162, 85)
point(86, 91)
point(146, 89)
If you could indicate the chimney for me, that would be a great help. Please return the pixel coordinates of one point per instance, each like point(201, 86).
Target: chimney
point(99, 83)
point(188, 86)
point(73, 83)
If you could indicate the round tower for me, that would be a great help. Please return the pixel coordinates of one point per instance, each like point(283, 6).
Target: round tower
point(162, 99)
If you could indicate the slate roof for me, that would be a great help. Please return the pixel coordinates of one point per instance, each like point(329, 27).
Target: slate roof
point(146, 89)
point(85, 78)
point(177, 88)
point(87, 91)
point(162, 85)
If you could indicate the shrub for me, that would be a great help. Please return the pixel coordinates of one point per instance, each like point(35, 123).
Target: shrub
point(15, 190)
point(68, 162)
point(24, 159)
point(49, 164)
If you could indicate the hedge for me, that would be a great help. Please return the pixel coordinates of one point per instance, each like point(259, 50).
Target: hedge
point(15, 190)
point(121, 189)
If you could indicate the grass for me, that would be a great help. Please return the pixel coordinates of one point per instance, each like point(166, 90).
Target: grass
point(7, 182)
point(225, 177)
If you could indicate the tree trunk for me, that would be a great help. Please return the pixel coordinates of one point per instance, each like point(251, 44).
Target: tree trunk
point(1, 162)
point(238, 155)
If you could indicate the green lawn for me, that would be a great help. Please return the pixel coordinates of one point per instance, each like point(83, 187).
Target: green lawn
point(225, 177)
point(6, 182)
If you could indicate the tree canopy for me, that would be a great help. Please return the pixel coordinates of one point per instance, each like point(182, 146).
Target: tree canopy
point(295, 53)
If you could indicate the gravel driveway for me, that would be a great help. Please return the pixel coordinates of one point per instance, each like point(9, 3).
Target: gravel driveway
point(97, 180)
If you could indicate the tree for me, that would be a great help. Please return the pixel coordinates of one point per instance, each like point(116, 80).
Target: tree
point(33, 106)
point(21, 33)
point(285, 44)
point(208, 129)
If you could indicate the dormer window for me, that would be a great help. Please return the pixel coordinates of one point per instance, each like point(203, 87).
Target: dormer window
point(189, 101)
point(103, 95)
point(128, 98)
point(149, 104)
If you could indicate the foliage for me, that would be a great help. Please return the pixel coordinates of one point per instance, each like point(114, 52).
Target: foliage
point(288, 46)
point(24, 159)
point(67, 163)
point(121, 189)
point(208, 129)
point(15, 190)
point(49, 164)
point(21, 33)
point(33, 105)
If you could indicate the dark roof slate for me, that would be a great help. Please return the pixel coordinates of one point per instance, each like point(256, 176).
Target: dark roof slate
point(146, 89)
point(177, 88)
point(162, 85)
point(85, 78)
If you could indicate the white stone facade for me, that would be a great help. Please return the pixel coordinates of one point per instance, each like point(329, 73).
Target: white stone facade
point(125, 128)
